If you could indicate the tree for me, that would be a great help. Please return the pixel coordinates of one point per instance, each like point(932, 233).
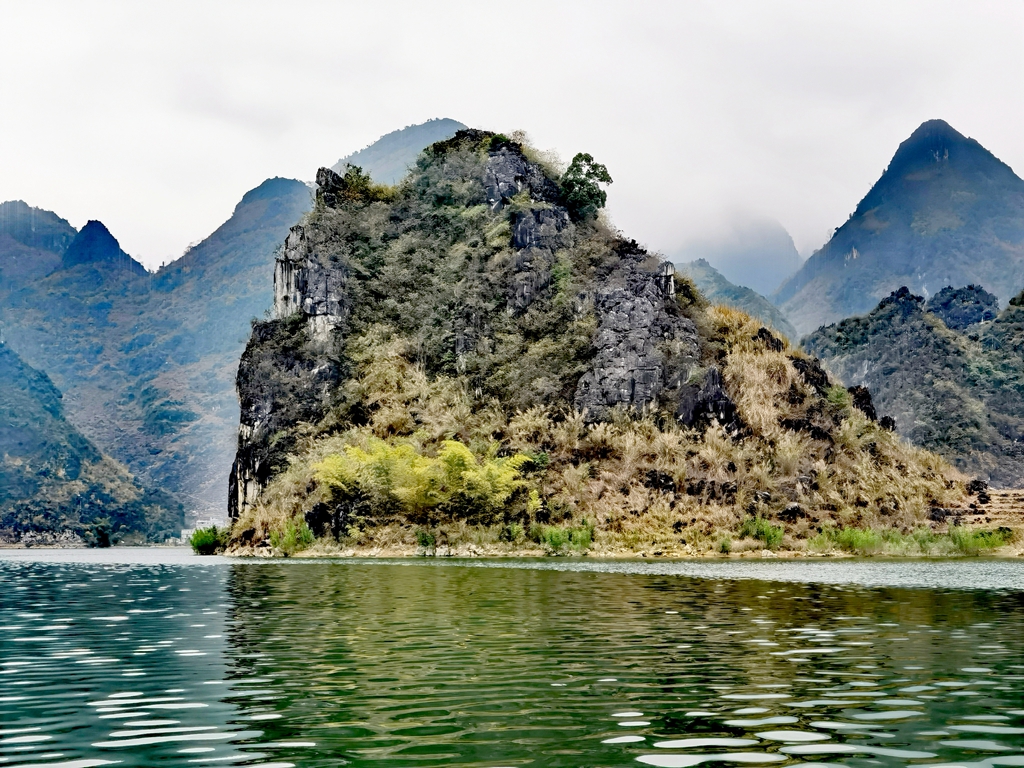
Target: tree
point(579, 183)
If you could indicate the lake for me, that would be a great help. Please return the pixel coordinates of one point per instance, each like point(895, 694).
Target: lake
point(154, 657)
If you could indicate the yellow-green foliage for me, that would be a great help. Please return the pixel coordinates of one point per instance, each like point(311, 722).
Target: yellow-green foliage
point(401, 477)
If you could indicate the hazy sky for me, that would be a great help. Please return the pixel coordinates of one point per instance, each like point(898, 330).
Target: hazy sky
point(156, 117)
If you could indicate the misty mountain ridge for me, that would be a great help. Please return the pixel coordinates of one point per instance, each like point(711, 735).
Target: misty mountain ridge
point(388, 159)
point(148, 359)
point(758, 254)
point(945, 212)
point(718, 290)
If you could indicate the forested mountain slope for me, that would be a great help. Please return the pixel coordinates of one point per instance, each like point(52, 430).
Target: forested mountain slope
point(953, 386)
point(55, 485)
point(147, 361)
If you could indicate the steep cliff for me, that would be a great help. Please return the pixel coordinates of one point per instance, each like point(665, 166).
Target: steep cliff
point(465, 348)
point(945, 212)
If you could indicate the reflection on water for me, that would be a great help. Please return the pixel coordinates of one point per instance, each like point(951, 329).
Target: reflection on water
point(326, 664)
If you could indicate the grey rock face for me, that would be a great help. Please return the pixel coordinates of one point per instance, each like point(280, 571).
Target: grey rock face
point(508, 173)
point(306, 282)
point(701, 403)
point(283, 379)
point(536, 234)
point(645, 347)
point(960, 308)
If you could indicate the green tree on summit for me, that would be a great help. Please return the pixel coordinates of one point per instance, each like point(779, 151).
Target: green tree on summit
point(580, 186)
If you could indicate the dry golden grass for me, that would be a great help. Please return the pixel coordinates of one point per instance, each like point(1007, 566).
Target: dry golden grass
point(642, 482)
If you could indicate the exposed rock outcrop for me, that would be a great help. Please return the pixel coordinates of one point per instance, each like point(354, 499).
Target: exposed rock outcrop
point(639, 358)
point(645, 347)
point(960, 308)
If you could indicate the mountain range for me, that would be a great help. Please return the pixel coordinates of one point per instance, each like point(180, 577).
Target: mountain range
point(146, 361)
point(55, 484)
point(949, 370)
point(946, 212)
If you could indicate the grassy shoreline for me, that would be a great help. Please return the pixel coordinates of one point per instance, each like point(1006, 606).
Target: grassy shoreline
point(492, 542)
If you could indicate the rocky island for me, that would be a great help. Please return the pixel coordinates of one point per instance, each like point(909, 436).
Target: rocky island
point(474, 358)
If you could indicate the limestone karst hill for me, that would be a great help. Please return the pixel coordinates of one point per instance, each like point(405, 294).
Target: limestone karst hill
point(476, 349)
point(950, 371)
point(55, 483)
point(945, 212)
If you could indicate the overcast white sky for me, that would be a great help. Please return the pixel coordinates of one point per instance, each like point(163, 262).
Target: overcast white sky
point(156, 117)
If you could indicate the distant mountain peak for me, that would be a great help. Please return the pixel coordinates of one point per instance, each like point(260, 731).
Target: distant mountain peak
point(95, 245)
point(946, 211)
point(937, 142)
point(389, 158)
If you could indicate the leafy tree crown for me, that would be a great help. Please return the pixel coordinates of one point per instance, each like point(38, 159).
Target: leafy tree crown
point(580, 187)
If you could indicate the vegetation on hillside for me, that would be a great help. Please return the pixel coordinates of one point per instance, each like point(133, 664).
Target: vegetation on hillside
point(444, 409)
point(959, 393)
point(53, 481)
point(718, 290)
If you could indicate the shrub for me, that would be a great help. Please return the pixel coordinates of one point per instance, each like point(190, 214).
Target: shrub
point(209, 541)
point(725, 546)
point(558, 538)
point(426, 540)
point(968, 542)
point(398, 475)
point(860, 541)
point(295, 537)
point(763, 530)
point(512, 533)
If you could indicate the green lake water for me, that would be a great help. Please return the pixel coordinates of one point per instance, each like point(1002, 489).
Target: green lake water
point(155, 657)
